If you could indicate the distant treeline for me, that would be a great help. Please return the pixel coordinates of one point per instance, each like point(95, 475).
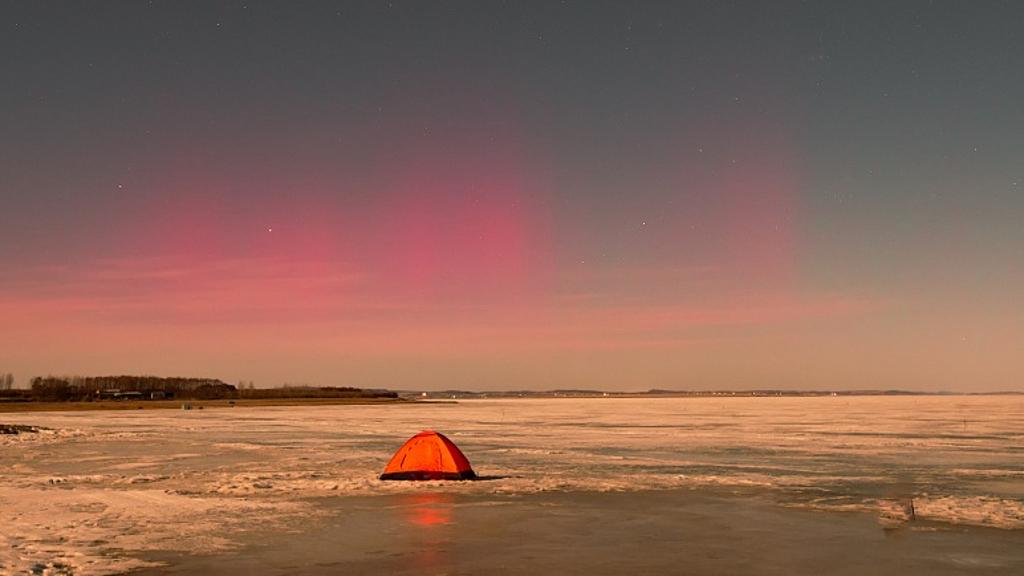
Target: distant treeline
point(90, 388)
point(77, 388)
point(314, 392)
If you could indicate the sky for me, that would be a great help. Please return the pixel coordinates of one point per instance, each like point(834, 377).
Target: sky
point(515, 195)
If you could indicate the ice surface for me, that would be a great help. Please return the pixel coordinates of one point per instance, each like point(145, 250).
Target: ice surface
point(90, 494)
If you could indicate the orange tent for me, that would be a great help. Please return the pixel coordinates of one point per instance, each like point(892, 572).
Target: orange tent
point(428, 455)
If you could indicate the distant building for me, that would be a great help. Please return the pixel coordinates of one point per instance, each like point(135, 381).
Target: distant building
point(117, 394)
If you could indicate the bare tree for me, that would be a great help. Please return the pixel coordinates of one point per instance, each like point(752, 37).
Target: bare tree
point(7, 381)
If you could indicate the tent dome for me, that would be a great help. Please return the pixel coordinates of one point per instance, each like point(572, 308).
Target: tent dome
point(428, 455)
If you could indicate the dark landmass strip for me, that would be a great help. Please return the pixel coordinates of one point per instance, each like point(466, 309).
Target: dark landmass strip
point(106, 389)
point(150, 388)
point(19, 407)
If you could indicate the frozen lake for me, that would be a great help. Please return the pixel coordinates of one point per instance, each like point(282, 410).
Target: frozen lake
point(168, 491)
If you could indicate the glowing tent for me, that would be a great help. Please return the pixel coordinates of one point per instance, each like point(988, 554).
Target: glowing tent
point(428, 455)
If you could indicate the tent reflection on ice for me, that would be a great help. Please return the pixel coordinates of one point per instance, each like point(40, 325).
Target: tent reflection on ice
point(428, 455)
